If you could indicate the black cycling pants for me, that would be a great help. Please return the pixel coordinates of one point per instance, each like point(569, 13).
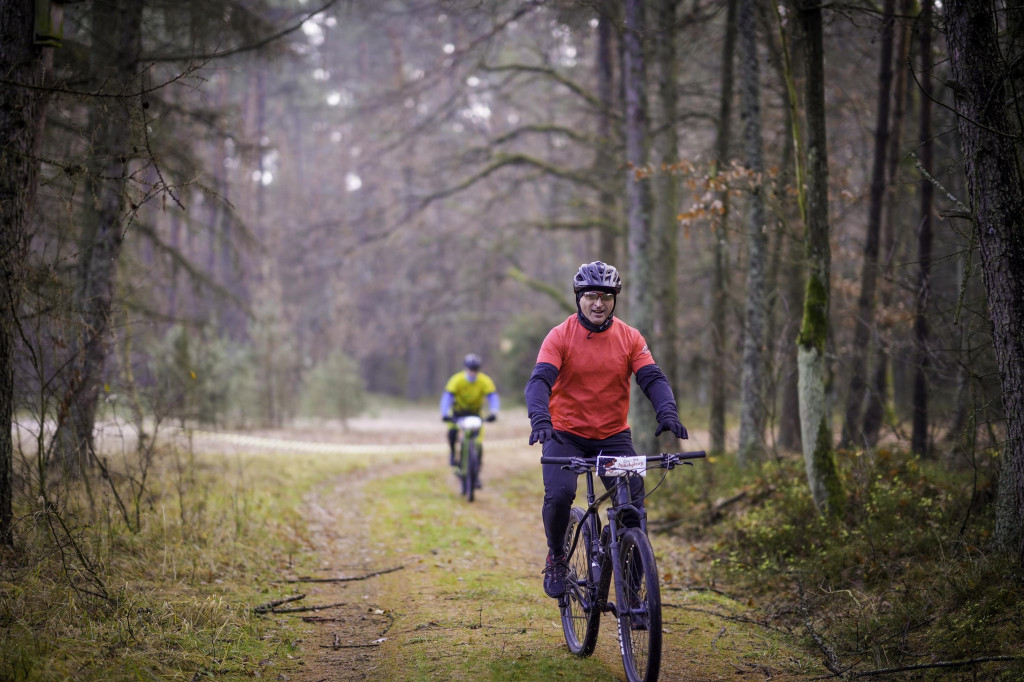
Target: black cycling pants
point(560, 485)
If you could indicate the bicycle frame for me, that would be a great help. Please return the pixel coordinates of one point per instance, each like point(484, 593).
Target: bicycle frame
point(621, 548)
point(469, 430)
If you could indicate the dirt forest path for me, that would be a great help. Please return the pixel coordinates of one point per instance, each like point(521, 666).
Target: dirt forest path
point(416, 583)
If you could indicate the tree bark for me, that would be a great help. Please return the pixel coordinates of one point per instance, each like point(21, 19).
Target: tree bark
point(22, 112)
point(865, 318)
point(878, 395)
point(751, 447)
point(812, 341)
point(604, 159)
point(919, 435)
point(788, 248)
point(996, 188)
point(115, 71)
point(666, 205)
point(638, 205)
point(720, 276)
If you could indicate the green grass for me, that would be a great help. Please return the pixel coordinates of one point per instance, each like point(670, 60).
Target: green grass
point(171, 601)
point(464, 615)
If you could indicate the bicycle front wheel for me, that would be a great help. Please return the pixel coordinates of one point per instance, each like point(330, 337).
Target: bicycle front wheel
point(581, 616)
point(639, 609)
point(472, 469)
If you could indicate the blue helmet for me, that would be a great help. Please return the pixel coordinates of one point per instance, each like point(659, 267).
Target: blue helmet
point(472, 361)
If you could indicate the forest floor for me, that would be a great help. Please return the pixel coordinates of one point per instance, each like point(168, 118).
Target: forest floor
point(416, 583)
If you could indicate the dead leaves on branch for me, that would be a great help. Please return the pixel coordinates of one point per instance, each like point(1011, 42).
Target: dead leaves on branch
point(711, 187)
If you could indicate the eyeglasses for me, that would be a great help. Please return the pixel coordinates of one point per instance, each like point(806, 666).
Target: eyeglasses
point(592, 296)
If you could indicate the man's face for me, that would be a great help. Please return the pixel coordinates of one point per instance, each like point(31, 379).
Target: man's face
point(597, 306)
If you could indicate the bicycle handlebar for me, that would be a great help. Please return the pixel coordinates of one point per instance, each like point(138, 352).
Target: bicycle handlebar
point(453, 420)
point(592, 462)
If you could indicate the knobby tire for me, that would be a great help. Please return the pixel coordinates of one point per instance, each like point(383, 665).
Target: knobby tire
point(581, 616)
point(639, 609)
point(472, 470)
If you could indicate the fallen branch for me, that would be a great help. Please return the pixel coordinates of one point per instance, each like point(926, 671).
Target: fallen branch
point(831, 660)
point(308, 579)
point(716, 511)
point(940, 664)
point(269, 606)
point(300, 609)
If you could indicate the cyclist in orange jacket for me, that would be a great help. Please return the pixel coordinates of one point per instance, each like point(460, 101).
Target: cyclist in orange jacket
point(578, 400)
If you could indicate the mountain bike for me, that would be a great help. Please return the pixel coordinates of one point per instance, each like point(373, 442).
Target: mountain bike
point(468, 463)
point(599, 556)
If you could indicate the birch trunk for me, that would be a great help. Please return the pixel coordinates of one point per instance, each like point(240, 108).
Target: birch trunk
point(816, 431)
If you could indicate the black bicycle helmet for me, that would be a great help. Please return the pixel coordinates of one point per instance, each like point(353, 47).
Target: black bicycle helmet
point(472, 362)
point(596, 276)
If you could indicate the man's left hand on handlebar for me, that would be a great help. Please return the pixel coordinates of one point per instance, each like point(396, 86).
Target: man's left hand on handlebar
point(674, 426)
point(542, 432)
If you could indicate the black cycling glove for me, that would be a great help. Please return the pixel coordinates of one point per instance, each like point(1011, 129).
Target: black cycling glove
point(672, 424)
point(542, 431)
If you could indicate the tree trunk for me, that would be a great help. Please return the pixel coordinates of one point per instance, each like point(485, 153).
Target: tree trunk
point(116, 69)
point(22, 112)
point(666, 205)
point(720, 277)
point(604, 159)
point(751, 446)
point(865, 319)
point(638, 206)
point(814, 419)
point(878, 395)
point(788, 249)
point(919, 435)
point(791, 63)
point(996, 190)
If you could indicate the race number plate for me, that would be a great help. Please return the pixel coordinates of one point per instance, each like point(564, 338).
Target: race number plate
point(618, 465)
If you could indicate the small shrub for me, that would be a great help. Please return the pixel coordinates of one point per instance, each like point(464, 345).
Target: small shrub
point(334, 389)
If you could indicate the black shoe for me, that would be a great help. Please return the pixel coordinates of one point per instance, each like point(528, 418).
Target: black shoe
point(451, 459)
point(479, 484)
point(555, 573)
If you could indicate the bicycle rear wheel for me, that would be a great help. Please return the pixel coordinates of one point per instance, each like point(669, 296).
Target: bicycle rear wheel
point(581, 616)
point(472, 469)
point(639, 609)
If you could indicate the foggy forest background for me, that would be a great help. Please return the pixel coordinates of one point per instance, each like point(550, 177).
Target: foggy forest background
point(247, 212)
